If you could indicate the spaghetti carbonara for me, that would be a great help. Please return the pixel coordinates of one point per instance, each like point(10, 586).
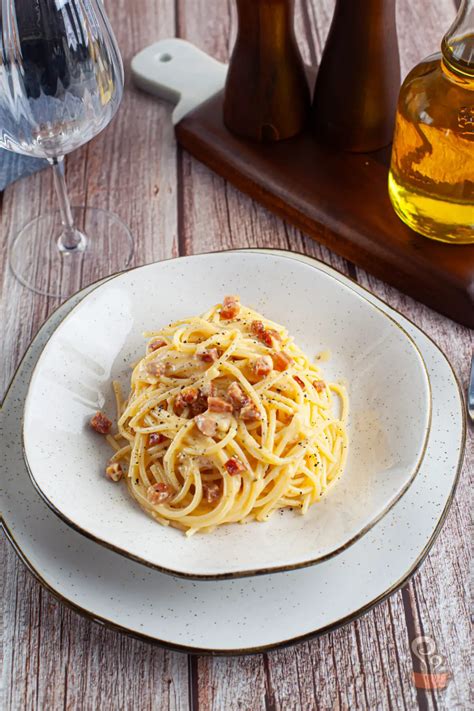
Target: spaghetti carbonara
point(227, 421)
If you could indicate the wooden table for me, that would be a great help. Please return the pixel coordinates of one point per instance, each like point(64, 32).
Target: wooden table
point(53, 657)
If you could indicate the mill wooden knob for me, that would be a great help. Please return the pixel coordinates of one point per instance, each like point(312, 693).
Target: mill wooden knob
point(266, 93)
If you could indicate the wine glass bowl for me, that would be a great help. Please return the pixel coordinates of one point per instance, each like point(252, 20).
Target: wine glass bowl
point(61, 83)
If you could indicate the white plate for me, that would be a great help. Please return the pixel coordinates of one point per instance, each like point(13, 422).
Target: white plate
point(388, 389)
point(201, 616)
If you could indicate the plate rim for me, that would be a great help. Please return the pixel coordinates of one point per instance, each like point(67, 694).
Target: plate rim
point(301, 638)
point(253, 572)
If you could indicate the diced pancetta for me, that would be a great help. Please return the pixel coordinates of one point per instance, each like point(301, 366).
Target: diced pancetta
point(159, 493)
point(211, 492)
point(218, 404)
point(101, 423)
point(155, 369)
point(299, 381)
point(237, 396)
point(262, 366)
point(250, 413)
point(234, 466)
point(281, 361)
point(209, 355)
point(230, 307)
point(206, 424)
point(114, 471)
point(156, 343)
point(156, 438)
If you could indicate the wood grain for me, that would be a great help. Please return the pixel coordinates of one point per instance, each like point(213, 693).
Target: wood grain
point(55, 659)
point(341, 200)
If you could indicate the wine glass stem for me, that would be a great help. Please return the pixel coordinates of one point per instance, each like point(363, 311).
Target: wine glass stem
point(71, 239)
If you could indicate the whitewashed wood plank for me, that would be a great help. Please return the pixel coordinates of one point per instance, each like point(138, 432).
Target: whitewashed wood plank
point(56, 659)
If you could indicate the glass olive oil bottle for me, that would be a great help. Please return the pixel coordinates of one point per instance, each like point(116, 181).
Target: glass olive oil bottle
point(431, 179)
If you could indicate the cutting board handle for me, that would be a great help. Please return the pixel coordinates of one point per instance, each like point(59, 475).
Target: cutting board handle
point(179, 72)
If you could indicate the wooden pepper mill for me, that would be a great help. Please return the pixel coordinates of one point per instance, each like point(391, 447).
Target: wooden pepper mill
point(266, 94)
point(358, 81)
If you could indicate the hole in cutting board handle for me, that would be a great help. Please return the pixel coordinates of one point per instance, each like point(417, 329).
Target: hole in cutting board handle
point(164, 57)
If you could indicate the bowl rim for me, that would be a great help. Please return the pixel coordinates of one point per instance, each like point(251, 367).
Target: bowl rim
point(242, 573)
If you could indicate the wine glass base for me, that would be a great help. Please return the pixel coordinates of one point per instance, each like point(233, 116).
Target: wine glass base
point(38, 263)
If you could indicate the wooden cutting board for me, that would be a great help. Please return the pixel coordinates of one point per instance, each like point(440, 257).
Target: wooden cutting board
point(339, 199)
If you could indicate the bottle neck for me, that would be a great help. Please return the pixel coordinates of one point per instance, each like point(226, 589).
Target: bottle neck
point(458, 43)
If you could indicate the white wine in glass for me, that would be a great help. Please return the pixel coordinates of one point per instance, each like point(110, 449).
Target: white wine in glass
point(61, 82)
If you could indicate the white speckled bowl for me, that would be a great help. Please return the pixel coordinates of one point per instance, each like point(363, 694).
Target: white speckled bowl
point(385, 373)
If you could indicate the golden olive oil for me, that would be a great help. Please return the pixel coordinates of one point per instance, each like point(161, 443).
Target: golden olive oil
point(431, 179)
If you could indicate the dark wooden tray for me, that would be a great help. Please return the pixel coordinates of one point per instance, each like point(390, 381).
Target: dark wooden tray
point(340, 200)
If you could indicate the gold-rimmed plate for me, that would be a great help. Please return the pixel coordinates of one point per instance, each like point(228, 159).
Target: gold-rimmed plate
point(234, 617)
point(384, 371)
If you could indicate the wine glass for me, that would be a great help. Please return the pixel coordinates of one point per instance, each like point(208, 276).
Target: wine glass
point(61, 82)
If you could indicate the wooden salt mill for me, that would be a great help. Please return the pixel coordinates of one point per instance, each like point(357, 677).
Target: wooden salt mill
point(266, 94)
point(357, 86)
